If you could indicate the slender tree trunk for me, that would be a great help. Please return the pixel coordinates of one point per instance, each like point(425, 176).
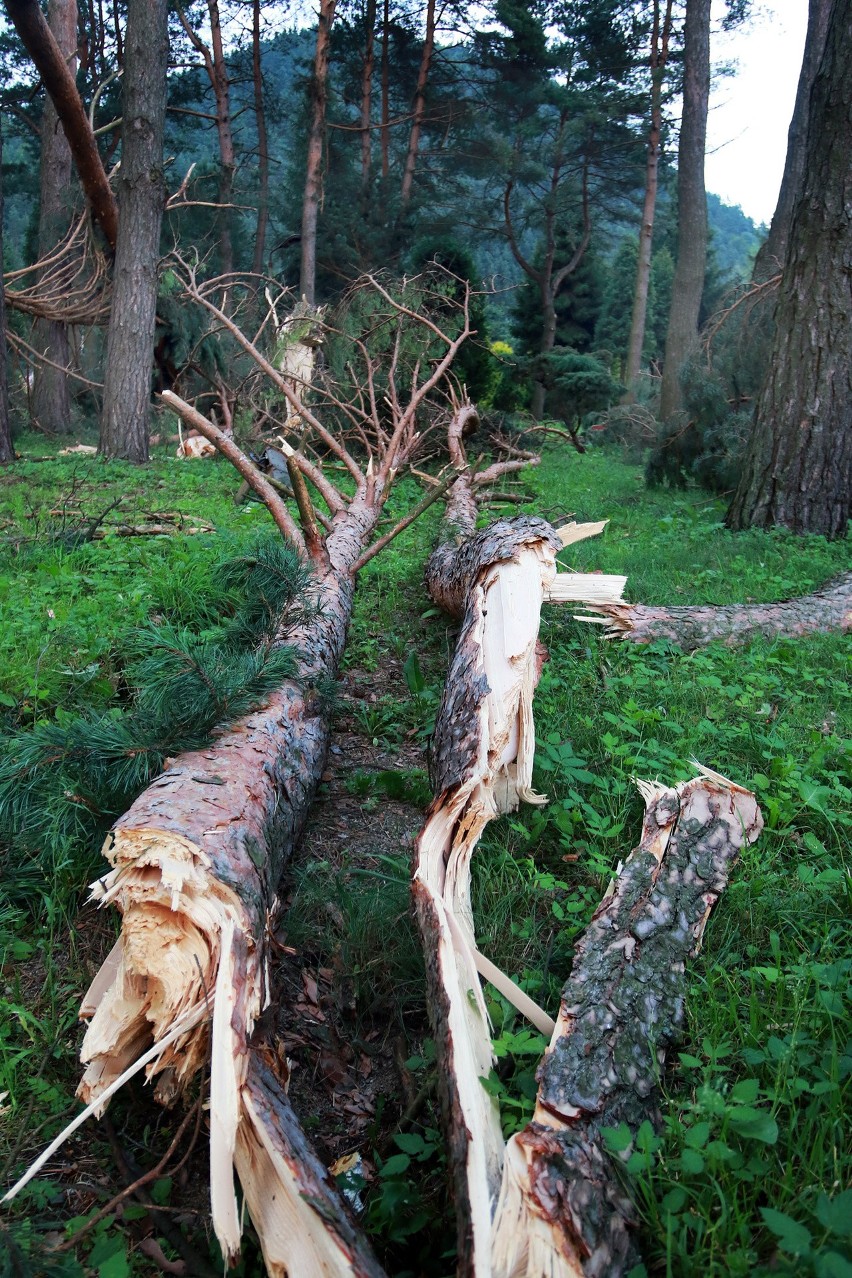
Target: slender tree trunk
point(130, 342)
point(688, 283)
point(798, 472)
point(227, 158)
point(386, 91)
point(50, 62)
point(659, 58)
point(51, 402)
point(367, 97)
point(7, 452)
point(419, 110)
point(770, 257)
point(313, 176)
point(262, 144)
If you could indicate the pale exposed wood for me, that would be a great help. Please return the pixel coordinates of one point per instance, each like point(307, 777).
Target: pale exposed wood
point(570, 534)
point(588, 588)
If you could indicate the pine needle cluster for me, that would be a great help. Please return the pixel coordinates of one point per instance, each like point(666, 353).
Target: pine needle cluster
point(65, 779)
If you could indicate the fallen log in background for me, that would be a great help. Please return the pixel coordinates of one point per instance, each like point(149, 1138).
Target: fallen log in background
point(828, 609)
point(563, 1211)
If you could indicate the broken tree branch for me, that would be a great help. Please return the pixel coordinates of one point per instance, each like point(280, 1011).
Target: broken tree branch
point(828, 609)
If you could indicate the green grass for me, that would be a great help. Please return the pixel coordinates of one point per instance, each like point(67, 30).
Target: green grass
point(749, 1172)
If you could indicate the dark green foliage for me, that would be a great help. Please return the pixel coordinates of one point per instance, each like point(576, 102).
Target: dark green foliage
point(576, 384)
point(69, 775)
point(474, 366)
point(709, 440)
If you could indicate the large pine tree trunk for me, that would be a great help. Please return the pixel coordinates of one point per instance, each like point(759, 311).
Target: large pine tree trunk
point(367, 68)
point(659, 58)
point(130, 342)
point(771, 255)
point(31, 26)
point(313, 174)
point(688, 283)
point(798, 472)
point(7, 452)
point(51, 399)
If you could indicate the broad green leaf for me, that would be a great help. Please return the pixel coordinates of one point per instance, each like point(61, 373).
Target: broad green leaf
point(791, 1236)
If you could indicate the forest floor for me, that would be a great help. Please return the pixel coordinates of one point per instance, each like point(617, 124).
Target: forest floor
point(752, 1169)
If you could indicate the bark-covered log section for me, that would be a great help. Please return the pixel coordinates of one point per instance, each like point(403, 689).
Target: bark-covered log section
point(826, 610)
point(563, 1212)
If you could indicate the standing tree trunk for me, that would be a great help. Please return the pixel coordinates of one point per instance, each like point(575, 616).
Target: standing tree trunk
point(51, 401)
point(798, 473)
point(419, 109)
point(688, 283)
point(7, 452)
point(217, 74)
point(659, 58)
point(367, 97)
point(262, 143)
point(30, 24)
point(770, 257)
point(130, 342)
point(313, 175)
point(386, 90)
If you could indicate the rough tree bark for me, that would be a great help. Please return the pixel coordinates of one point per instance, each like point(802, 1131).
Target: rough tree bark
point(660, 36)
point(51, 398)
point(7, 452)
point(31, 26)
point(826, 610)
point(688, 283)
point(770, 257)
point(130, 342)
point(313, 175)
point(562, 1208)
point(385, 129)
point(418, 109)
point(798, 471)
point(262, 144)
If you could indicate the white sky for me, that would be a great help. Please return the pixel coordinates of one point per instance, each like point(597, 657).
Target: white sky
point(750, 111)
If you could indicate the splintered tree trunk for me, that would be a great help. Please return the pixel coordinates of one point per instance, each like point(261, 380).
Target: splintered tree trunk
point(51, 401)
point(7, 452)
point(828, 609)
point(562, 1209)
point(196, 863)
point(688, 283)
point(130, 342)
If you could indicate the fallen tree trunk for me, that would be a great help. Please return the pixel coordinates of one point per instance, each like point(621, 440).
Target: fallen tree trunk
point(563, 1210)
point(482, 756)
point(197, 858)
point(826, 610)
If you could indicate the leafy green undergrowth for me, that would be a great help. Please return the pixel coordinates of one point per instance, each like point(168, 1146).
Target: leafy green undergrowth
point(750, 1170)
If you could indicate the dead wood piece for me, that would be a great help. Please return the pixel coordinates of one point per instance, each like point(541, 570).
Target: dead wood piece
point(826, 610)
point(562, 1209)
